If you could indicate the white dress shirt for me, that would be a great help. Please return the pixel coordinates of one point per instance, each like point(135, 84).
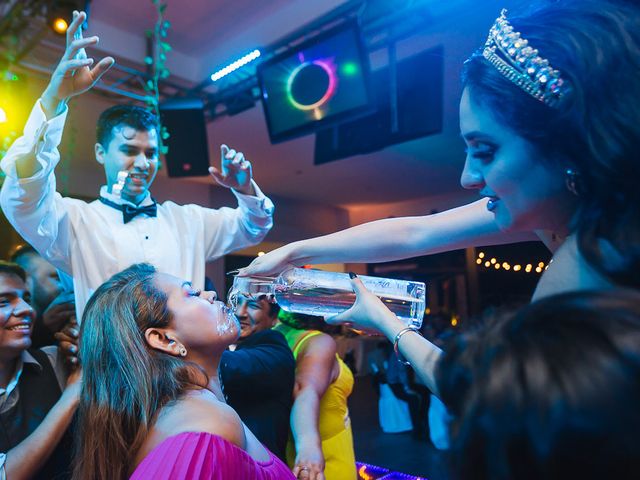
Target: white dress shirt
point(90, 241)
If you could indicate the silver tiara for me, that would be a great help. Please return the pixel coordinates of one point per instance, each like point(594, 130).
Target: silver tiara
point(516, 60)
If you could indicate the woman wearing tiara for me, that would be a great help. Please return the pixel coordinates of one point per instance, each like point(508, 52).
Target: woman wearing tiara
point(151, 403)
point(550, 114)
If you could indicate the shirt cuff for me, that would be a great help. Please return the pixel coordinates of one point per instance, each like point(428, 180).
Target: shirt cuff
point(40, 136)
point(257, 202)
point(3, 473)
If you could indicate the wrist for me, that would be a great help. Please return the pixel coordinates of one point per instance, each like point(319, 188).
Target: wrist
point(52, 105)
point(309, 442)
point(71, 395)
point(246, 190)
point(390, 325)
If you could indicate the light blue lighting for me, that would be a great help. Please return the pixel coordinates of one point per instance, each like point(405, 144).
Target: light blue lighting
point(241, 62)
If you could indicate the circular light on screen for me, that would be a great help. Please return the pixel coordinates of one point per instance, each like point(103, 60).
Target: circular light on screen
point(311, 85)
point(60, 25)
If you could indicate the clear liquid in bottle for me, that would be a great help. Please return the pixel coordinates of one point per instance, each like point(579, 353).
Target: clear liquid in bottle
point(320, 293)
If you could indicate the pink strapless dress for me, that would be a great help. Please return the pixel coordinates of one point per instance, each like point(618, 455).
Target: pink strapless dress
point(203, 456)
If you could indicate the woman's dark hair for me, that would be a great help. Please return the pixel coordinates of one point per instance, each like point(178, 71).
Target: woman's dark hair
point(552, 392)
point(596, 128)
point(125, 382)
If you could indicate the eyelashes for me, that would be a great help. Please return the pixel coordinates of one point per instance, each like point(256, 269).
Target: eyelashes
point(485, 154)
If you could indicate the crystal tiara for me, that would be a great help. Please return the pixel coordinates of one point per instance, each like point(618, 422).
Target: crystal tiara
point(516, 60)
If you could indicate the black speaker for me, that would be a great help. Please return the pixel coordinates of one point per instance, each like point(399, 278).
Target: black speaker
point(188, 154)
point(412, 110)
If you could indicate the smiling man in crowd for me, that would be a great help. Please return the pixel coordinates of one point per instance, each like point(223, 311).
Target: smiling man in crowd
point(35, 408)
point(93, 241)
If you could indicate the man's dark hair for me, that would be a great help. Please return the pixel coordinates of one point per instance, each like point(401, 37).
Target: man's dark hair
point(129, 115)
point(10, 268)
point(274, 309)
point(21, 251)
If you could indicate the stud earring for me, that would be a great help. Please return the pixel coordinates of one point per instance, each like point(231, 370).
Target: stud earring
point(182, 351)
point(572, 181)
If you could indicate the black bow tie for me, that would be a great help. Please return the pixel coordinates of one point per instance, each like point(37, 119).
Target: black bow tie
point(129, 212)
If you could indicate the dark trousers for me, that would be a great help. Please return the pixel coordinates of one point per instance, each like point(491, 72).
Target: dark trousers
point(417, 407)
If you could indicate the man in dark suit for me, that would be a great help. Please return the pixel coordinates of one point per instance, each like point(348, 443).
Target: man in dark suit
point(258, 376)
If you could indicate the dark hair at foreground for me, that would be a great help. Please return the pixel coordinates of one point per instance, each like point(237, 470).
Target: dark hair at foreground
point(10, 268)
point(125, 382)
point(551, 393)
point(595, 44)
point(129, 115)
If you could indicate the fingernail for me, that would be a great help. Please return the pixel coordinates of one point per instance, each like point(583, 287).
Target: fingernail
point(352, 275)
point(233, 272)
point(73, 332)
point(73, 349)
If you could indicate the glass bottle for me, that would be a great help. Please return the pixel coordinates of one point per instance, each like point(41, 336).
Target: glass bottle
point(321, 293)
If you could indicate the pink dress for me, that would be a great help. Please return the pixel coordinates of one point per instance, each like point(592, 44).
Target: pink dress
point(203, 456)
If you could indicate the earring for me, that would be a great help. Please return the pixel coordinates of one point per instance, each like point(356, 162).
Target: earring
point(182, 351)
point(572, 181)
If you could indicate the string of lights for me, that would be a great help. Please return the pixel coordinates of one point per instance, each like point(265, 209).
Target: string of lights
point(494, 263)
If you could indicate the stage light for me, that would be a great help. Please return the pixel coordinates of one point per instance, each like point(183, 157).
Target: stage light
point(232, 67)
point(481, 255)
point(60, 25)
point(3, 115)
point(61, 12)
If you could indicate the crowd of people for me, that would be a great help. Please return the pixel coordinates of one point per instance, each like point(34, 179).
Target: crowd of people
point(115, 362)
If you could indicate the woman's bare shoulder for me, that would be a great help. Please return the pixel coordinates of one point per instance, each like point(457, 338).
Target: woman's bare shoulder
point(197, 411)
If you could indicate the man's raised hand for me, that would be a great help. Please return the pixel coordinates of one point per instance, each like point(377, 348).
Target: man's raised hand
point(74, 74)
point(234, 172)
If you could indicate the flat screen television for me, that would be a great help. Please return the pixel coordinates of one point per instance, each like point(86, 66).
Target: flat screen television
point(320, 83)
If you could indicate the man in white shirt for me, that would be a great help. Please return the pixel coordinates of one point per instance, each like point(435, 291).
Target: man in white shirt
point(93, 241)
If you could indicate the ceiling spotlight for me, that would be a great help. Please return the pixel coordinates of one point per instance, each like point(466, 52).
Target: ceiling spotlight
point(60, 25)
point(61, 13)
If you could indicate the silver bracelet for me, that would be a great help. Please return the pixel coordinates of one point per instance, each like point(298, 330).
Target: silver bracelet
point(397, 339)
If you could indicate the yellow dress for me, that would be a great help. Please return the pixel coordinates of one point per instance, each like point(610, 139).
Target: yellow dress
point(334, 423)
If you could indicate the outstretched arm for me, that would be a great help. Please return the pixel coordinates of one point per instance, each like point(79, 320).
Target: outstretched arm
point(392, 239)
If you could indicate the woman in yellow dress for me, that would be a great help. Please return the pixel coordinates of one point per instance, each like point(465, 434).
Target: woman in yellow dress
point(321, 445)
